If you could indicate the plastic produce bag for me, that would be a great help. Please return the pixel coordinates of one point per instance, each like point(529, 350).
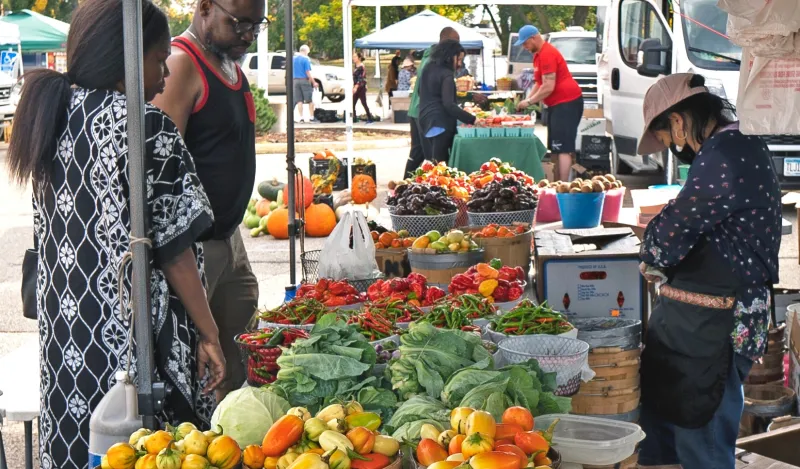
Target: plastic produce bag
point(769, 100)
point(316, 97)
point(338, 260)
point(770, 28)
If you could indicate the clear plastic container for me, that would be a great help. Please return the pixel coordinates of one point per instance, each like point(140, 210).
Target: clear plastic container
point(591, 440)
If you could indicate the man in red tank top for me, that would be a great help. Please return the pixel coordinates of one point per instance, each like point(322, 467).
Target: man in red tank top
point(555, 87)
point(208, 97)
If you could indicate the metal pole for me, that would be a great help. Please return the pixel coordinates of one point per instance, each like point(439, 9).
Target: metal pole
point(290, 167)
point(347, 25)
point(140, 278)
point(377, 51)
point(263, 56)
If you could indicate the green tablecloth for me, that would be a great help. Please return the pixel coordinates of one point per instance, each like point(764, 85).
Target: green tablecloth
point(525, 153)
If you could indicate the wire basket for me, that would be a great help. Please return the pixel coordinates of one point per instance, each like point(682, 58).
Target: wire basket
point(566, 357)
point(610, 332)
point(502, 218)
point(418, 225)
point(310, 262)
point(261, 361)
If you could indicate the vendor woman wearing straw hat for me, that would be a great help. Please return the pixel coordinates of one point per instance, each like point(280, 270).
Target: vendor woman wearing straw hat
point(715, 248)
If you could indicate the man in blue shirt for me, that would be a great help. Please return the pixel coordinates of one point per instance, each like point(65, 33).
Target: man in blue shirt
point(304, 85)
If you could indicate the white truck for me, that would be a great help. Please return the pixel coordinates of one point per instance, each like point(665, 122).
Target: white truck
point(330, 79)
point(578, 47)
point(642, 40)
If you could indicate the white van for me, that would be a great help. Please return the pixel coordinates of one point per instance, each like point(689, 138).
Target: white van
point(645, 39)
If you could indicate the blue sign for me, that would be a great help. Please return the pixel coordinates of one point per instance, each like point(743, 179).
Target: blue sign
point(7, 59)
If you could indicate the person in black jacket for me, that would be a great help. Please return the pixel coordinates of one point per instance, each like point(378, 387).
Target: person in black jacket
point(438, 110)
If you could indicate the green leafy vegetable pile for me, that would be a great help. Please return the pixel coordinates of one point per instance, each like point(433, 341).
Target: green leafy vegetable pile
point(522, 384)
point(429, 356)
point(334, 363)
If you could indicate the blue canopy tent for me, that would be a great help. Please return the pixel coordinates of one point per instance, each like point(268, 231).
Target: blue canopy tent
point(419, 32)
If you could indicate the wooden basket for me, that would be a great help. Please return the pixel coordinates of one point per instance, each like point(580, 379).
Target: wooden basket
point(513, 252)
point(769, 370)
point(505, 85)
point(464, 86)
point(607, 403)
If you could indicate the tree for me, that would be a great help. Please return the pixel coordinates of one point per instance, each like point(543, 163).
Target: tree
point(548, 19)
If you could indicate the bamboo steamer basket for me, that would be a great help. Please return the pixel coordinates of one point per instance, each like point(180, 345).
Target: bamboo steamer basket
point(770, 369)
point(615, 387)
point(762, 403)
point(513, 252)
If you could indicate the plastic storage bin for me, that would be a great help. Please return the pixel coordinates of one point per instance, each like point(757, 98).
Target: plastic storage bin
point(581, 210)
point(591, 440)
point(612, 205)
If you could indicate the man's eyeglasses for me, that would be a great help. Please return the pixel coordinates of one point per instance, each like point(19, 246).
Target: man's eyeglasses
point(244, 27)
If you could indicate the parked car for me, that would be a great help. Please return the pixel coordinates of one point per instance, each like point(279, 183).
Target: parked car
point(330, 79)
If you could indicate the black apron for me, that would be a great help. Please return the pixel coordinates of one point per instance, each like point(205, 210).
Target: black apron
point(688, 351)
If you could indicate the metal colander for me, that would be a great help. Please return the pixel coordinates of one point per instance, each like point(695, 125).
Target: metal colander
point(568, 358)
point(418, 225)
point(502, 218)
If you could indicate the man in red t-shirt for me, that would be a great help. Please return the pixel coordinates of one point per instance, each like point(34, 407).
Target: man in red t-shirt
point(555, 87)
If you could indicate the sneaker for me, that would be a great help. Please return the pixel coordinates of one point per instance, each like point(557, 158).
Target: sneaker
point(369, 122)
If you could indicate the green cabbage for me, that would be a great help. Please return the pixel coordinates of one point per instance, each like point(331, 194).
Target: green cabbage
point(246, 414)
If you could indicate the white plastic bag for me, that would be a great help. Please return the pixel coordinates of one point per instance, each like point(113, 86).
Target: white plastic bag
point(769, 100)
point(316, 97)
point(339, 261)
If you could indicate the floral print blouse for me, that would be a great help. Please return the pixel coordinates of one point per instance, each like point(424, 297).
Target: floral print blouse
point(360, 76)
point(731, 198)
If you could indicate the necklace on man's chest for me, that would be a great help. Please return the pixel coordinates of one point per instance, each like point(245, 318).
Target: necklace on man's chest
point(227, 65)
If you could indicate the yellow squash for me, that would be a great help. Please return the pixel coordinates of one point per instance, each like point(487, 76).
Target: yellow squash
point(330, 440)
point(195, 443)
point(481, 422)
point(285, 461)
point(182, 430)
point(353, 407)
point(224, 453)
point(148, 461)
point(385, 445)
point(362, 438)
point(253, 457)
point(270, 462)
point(429, 431)
point(475, 444)
point(458, 419)
point(338, 460)
point(301, 412)
point(333, 411)
point(445, 437)
point(313, 428)
point(309, 461)
point(195, 461)
point(159, 440)
point(104, 463)
point(121, 456)
point(363, 419)
point(168, 458)
point(137, 435)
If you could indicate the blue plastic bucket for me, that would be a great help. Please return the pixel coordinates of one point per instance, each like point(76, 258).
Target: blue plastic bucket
point(581, 210)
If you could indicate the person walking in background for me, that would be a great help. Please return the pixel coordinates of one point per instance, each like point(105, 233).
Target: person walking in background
point(209, 98)
point(304, 85)
point(360, 86)
point(417, 154)
point(439, 112)
point(408, 72)
point(71, 144)
point(555, 87)
point(392, 73)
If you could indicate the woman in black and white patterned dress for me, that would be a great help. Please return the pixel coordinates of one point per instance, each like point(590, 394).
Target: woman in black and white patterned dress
point(71, 141)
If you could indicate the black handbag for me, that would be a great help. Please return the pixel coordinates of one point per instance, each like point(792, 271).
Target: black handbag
point(30, 265)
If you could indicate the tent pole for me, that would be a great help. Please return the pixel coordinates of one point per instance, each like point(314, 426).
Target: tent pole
point(377, 51)
point(263, 57)
point(140, 278)
point(290, 166)
point(347, 24)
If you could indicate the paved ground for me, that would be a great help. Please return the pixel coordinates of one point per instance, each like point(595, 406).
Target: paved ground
point(269, 257)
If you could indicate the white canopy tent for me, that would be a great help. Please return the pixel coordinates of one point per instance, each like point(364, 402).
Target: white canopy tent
point(418, 32)
point(347, 32)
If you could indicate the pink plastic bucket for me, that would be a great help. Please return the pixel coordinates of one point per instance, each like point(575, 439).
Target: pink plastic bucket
point(547, 210)
point(613, 204)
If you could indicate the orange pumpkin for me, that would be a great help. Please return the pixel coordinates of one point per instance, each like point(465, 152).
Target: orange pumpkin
point(329, 153)
point(364, 190)
point(224, 452)
point(302, 186)
point(278, 223)
point(262, 208)
point(253, 457)
point(320, 220)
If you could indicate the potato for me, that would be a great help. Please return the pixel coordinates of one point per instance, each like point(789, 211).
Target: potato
point(597, 186)
point(544, 183)
point(562, 188)
point(575, 190)
point(610, 177)
point(608, 186)
point(575, 184)
point(586, 188)
point(618, 184)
